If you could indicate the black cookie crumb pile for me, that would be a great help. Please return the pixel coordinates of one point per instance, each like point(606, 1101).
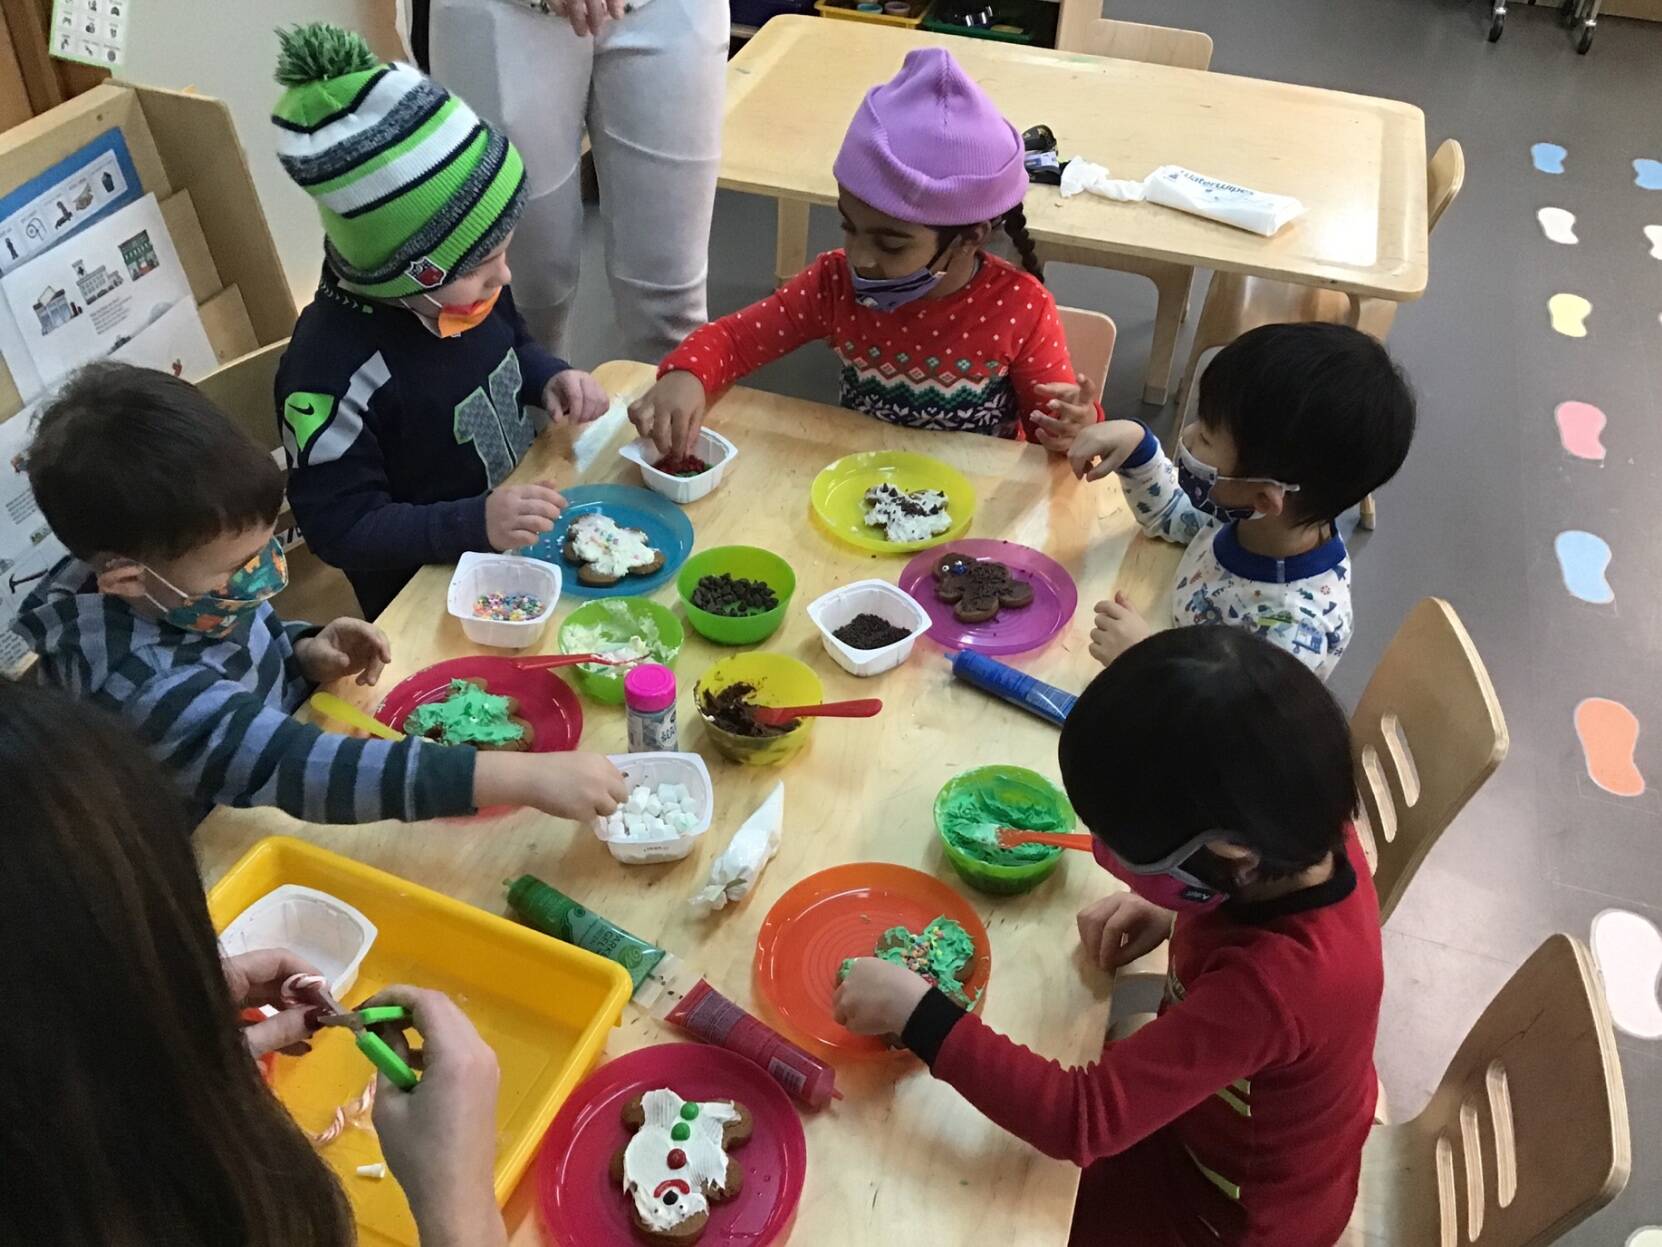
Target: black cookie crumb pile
point(734, 710)
point(870, 632)
point(733, 596)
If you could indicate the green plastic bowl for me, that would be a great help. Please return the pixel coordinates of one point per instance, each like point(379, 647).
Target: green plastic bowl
point(1011, 786)
point(618, 619)
point(746, 562)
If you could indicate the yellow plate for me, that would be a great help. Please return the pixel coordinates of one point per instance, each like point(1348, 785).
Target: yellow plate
point(546, 1007)
point(839, 491)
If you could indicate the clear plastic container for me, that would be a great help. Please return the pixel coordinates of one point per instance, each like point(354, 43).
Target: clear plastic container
point(478, 574)
point(653, 769)
point(710, 446)
point(868, 597)
point(317, 927)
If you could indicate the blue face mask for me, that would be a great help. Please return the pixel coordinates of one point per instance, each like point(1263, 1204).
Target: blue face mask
point(1197, 478)
point(887, 294)
point(215, 614)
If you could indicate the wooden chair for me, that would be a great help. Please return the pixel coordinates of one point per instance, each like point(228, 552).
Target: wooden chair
point(1090, 338)
point(1158, 45)
point(1236, 303)
point(1526, 1134)
point(1426, 734)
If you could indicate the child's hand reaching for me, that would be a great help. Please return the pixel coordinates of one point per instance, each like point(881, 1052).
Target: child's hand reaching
point(1069, 410)
point(578, 786)
point(1120, 928)
point(516, 515)
point(574, 397)
point(344, 647)
point(671, 412)
point(877, 997)
point(1117, 628)
point(1093, 450)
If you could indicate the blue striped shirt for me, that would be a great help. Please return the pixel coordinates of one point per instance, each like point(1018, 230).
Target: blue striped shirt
point(216, 710)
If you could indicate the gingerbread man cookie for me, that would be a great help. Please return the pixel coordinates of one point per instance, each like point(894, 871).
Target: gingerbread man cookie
point(676, 1164)
point(978, 588)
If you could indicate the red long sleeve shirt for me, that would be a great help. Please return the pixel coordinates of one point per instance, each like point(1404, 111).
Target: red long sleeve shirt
point(967, 362)
point(1239, 1114)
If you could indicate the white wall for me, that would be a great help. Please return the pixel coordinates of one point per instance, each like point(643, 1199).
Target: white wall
point(228, 49)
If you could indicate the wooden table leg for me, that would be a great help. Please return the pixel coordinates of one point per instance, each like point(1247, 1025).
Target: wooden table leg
point(790, 255)
point(1172, 307)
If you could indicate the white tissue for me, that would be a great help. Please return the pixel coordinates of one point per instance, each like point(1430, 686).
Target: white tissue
point(1081, 175)
point(1188, 191)
point(735, 872)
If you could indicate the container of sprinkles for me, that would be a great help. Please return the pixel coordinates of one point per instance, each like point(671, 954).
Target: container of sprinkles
point(503, 600)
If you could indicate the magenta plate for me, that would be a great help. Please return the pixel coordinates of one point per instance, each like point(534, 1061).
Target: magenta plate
point(1010, 631)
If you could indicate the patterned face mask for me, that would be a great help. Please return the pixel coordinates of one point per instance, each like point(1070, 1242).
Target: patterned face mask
point(1198, 479)
point(1166, 883)
point(214, 614)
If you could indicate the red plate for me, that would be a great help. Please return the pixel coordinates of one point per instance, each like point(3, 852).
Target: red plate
point(580, 1205)
point(546, 702)
point(840, 913)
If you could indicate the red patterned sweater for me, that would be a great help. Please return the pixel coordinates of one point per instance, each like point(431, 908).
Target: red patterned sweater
point(968, 362)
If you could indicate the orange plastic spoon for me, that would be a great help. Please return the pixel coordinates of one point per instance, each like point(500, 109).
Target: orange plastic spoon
point(778, 716)
point(1010, 837)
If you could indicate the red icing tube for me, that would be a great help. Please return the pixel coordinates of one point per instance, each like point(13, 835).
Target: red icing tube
point(709, 1015)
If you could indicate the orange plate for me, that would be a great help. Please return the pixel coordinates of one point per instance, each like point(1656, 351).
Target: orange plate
point(840, 913)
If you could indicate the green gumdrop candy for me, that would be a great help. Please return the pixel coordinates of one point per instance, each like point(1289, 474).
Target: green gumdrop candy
point(680, 1132)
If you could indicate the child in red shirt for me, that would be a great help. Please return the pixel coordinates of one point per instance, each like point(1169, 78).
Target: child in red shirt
point(1238, 1115)
point(933, 332)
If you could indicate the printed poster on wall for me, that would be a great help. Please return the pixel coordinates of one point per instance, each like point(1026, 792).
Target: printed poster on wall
point(93, 32)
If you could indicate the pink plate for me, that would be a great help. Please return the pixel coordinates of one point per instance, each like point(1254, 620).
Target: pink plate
point(582, 1207)
point(1010, 631)
point(546, 702)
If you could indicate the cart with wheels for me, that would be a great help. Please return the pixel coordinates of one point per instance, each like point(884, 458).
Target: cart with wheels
point(1583, 17)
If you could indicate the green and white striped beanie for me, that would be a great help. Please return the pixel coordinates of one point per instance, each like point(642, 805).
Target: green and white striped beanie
point(413, 188)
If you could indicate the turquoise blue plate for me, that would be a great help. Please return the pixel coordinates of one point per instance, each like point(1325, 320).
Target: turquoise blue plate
point(666, 526)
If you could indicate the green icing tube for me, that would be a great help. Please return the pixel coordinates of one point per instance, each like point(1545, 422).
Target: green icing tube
point(554, 913)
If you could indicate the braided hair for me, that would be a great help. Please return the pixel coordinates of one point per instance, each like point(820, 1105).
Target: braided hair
point(1015, 225)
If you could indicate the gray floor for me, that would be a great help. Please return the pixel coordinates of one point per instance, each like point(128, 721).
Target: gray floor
point(1473, 515)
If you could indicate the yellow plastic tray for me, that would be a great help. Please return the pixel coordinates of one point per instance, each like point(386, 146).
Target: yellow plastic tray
point(837, 497)
point(882, 19)
point(546, 1007)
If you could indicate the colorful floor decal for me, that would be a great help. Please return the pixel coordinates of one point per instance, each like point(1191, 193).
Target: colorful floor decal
point(1579, 426)
point(1549, 157)
point(1609, 735)
point(1558, 224)
point(1654, 234)
point(1569, 314)
point(1628, 949)
point(1582, 559)
point(1648, 174)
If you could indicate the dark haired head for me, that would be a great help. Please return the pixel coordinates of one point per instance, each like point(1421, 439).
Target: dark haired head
point(1210, 729)
point(136, 462)
point(1317, 406)
point(1014, 223)
point(130, 1109)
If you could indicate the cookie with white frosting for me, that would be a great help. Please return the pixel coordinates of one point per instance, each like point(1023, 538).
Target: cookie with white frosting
point(676, 1165)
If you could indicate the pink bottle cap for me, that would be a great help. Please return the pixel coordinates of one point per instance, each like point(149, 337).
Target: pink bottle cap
point(649, 688)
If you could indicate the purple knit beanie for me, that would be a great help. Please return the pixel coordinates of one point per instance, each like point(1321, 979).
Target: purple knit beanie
point(930, 147)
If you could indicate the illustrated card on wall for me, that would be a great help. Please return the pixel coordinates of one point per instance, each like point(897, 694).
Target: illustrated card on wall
point(28, 547)
point(93, 32)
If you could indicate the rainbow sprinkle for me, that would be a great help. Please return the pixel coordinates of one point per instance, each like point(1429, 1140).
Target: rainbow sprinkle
point(508, 607)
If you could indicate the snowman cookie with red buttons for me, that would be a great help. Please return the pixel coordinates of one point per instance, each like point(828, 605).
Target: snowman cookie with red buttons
point(676, 1164)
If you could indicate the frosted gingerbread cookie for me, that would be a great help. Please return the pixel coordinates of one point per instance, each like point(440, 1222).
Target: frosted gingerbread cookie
point(977, 589)
point(605, 552)
point(676, 1165)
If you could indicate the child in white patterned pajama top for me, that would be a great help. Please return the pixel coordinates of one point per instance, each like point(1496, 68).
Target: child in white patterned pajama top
point(1295, 425)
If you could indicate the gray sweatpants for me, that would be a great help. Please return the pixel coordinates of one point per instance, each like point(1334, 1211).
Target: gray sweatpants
point(649, 92)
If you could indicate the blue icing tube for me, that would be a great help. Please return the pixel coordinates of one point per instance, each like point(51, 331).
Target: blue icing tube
point(1016, 687)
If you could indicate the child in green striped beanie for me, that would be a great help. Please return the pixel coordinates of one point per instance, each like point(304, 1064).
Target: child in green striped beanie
point(411, 387)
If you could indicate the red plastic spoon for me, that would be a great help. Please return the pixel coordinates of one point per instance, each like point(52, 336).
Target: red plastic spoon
point(779, 716)
point(1010, 837)
point(548, 662)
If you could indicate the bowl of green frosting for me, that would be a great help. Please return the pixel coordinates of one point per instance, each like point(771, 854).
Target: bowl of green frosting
point(971, 808)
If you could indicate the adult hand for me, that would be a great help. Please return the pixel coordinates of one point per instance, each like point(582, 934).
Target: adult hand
point(439, 1138)
point(877, 997)
point(1069, 409)
point(344, 647)
point(579, 786)
point(1120, 928)
point(587, 17)
point(255, 979)
point(671, 412)
point(516, 515)
point(1117, 628)
point(572, 396)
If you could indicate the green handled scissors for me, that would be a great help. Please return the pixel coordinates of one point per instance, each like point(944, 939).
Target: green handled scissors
point(379, 1052)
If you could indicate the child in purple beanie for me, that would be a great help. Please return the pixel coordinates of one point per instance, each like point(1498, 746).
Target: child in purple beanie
point(933, 332)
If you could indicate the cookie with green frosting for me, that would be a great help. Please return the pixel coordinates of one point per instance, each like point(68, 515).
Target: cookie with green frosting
point(940, 953)
point(471, 715)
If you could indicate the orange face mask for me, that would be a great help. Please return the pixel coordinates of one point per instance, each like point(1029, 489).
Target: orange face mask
point(455, 321)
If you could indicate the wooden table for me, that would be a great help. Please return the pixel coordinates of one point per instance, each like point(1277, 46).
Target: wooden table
point(1357, 163)
point(902, 1153)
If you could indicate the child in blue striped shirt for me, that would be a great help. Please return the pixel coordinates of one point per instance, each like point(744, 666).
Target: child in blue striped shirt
point(162, 614)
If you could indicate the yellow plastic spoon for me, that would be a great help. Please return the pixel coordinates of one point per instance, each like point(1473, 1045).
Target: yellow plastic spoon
point(335, 708)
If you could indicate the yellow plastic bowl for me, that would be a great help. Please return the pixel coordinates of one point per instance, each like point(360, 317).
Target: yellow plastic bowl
point(779, 681)
point(838, 497)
